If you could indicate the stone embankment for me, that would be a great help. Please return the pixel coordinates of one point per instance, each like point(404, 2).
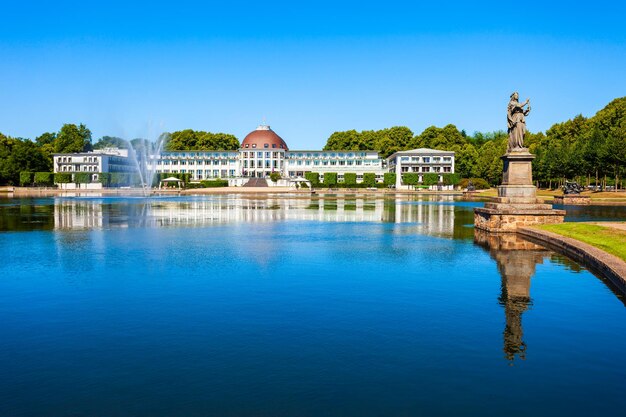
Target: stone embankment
point(595, 259)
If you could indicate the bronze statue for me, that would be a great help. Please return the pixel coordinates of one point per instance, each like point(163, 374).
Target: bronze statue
point(516, 122)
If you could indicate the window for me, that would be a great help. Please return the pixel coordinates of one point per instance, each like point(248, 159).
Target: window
point(426, 160)
point(266, 145)
point(247, 145)
point(254, 145)
point(273, 145)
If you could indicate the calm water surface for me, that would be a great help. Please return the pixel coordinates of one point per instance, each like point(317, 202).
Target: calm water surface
point(242, 306)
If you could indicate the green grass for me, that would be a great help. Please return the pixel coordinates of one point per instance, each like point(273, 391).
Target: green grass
point(608, 239)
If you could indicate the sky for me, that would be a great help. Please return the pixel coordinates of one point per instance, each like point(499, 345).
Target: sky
point(136, 69)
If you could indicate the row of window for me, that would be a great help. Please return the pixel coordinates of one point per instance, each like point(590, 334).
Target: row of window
point(425, 159)
point(426, 169)
point(333, 162)
point(207, 162)
point(174, 155)
point(198, 174)
point(261, 164)
point(295, 155)
point(77, 168)
point(260, 154)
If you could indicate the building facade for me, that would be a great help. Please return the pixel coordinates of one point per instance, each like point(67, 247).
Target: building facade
point(94, 162)
point(262, 152)
point(421, 161)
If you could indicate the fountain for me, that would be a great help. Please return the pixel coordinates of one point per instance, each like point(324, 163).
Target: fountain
point(145, 156)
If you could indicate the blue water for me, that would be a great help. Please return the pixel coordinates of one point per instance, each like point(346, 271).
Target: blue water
point(237, 306)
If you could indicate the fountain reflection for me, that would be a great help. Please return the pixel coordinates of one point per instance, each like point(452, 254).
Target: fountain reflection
point(516, 259)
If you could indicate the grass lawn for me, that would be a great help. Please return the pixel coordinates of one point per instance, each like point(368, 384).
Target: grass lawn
point(608, 239)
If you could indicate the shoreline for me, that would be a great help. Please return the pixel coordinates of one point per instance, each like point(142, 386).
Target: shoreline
point(17, 192)
point(603, 263)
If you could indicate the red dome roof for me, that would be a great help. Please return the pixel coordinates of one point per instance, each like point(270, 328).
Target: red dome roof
point(263, 138)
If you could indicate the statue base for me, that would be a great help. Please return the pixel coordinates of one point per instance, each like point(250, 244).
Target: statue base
point(469, 195)
point(572, 200)
point(517, 204)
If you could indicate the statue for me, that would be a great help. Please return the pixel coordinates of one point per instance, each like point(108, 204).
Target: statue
point(572, 187)
point(516, 122)
point(471, 186)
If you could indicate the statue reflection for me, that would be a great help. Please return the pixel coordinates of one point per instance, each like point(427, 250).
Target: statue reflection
point(516, 259)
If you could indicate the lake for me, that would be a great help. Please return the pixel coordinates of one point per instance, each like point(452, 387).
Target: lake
point(297, 306)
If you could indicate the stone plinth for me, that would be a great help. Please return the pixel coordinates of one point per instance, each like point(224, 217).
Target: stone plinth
point(469, 195)
point(517, 204)
point(572, 200)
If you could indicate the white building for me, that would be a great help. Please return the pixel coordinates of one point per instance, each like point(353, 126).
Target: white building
point(262, 152)
point(421, 161)
point(99, 161)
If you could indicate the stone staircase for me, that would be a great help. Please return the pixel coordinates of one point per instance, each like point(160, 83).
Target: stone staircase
point(256, 182)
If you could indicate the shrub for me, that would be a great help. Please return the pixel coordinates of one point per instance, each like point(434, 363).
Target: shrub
point(104, 178)
point(410, 178)
point(389, 179)
point(62, 178)
point(369, 179)
point(314, 177)
point(451, 179)
point(330, 179)
point(430, 179)
point(275, 176)
point(349, 179)
point(214, 183)
point(44, 178)
point(304, 185)
point(82, 177)
point(479, 183)
point(26, 178)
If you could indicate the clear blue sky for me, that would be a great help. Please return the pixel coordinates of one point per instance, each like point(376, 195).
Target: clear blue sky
point(309, 68)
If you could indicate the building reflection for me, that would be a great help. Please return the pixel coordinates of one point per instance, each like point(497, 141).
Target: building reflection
point(430, 217)
point(516, 259)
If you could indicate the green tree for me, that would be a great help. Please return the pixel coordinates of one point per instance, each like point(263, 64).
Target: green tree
point(72, 138)
point(111, 142)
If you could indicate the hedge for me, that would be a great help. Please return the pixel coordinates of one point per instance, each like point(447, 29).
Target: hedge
point(411, 178)
point(451, 179)
point(44, 178)
point(82, 177)
point(389, 178)
point(369, 179)
point(26, 178)
point(349, 178)
point(330, 179)
point(430, 179)
point(104, 178)
point(62, 178)
point(314, 177)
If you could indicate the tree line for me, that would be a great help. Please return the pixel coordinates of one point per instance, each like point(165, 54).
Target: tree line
point(590, 150)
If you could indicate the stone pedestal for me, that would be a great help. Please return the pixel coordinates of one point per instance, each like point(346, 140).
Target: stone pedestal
point(517, 204)
point(572, 200)
point(469, 195)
